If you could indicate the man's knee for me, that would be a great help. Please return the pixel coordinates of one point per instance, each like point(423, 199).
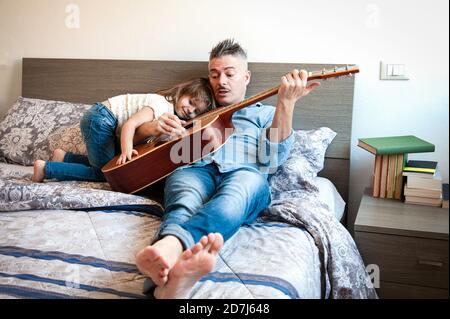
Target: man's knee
point(248, 194)
point(232, 210)
point(188, 179)
point(250, 184)
point(184, 189)
point(181, 180)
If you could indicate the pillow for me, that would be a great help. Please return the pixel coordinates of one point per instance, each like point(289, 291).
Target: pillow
point(69, 139)
point(305, 160)
point(329, 195)
point(26, 128)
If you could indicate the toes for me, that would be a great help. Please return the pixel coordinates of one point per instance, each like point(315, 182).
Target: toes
point(160, 281)
point(217, 244)
point(151, 253)
point(187, 253)
point(196, 248)
point(204, 240)
point(162, 262)
point(211, 237)
point(164, 273)
point(144, 257)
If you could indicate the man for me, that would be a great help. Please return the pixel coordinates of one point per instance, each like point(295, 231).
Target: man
point(206, 202)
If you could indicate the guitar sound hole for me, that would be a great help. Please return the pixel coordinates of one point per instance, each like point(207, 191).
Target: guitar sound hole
point(187, 127)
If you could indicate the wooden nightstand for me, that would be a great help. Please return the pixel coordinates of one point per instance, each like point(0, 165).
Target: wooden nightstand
point(409, 243)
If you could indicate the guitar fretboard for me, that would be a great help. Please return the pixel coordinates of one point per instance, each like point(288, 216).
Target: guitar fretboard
point(316, 75)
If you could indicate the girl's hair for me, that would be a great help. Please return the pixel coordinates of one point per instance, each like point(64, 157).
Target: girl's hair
point(198, 89)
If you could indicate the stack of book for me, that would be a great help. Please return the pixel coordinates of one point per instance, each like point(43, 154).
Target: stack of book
point(445, 195)
point(423, 183)
point(391, 155)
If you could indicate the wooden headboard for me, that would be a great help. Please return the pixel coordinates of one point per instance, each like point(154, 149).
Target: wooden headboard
point(89, 81)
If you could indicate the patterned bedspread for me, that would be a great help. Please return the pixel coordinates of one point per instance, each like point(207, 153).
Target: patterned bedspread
point(78, 240)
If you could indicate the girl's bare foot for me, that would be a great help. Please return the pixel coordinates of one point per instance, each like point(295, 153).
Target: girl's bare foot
point(155, 261)
point(193, 264)
point(38, 172)
point(58, 155)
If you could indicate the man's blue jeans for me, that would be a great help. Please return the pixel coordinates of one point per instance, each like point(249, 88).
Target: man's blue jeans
point(201, 200)
point(98, 127)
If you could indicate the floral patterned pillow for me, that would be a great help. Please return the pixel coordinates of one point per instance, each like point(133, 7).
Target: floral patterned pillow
point(69, 139)
point(25, 131)
point(305, 161)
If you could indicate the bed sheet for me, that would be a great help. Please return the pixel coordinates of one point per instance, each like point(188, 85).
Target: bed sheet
point(90, 254)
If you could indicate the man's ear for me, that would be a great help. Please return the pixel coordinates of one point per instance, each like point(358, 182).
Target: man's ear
point(248, 76)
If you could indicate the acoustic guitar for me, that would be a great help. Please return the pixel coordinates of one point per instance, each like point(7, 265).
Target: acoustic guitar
point(159, 157)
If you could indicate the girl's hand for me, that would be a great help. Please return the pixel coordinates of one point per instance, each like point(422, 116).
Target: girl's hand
point(170, 124)
point(127, 155)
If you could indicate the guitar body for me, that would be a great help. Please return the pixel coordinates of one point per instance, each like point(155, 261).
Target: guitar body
point(205, 134)
point(158, 159)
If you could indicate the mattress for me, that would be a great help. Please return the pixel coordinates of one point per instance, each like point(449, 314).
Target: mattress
point(91, 254)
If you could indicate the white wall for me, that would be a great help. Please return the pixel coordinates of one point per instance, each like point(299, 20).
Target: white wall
point(353, 31)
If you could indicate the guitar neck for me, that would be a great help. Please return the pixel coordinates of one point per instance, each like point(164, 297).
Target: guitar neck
point(252, 100)
point(318, 75)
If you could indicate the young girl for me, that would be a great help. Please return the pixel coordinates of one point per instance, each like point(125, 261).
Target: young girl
point(117, 119)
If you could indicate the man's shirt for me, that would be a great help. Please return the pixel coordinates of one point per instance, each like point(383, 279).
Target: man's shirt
point(248, 147)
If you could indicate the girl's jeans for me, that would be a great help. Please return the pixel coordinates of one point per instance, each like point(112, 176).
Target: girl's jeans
point(98, 127)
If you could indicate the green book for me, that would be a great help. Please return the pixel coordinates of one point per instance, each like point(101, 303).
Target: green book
point(395, 145)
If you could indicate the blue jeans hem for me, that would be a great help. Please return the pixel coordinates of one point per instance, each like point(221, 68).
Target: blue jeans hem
point(176, 230)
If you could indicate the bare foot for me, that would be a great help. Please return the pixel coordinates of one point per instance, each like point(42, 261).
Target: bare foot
point(39, 171)
point(193, 264)
point(58, 155)
point(155, 261)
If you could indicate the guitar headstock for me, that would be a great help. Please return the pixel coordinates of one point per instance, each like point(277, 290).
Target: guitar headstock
point(336, 72)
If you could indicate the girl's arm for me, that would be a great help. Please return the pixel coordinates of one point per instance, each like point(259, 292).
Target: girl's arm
point(168, 124)
point(146, 114)
point(141, 125)
point(145, 130)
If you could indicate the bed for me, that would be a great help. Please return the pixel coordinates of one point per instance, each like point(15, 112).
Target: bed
point(78, 240)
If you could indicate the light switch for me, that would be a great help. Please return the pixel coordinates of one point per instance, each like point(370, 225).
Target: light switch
point(398, 69)
point(392, 71)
